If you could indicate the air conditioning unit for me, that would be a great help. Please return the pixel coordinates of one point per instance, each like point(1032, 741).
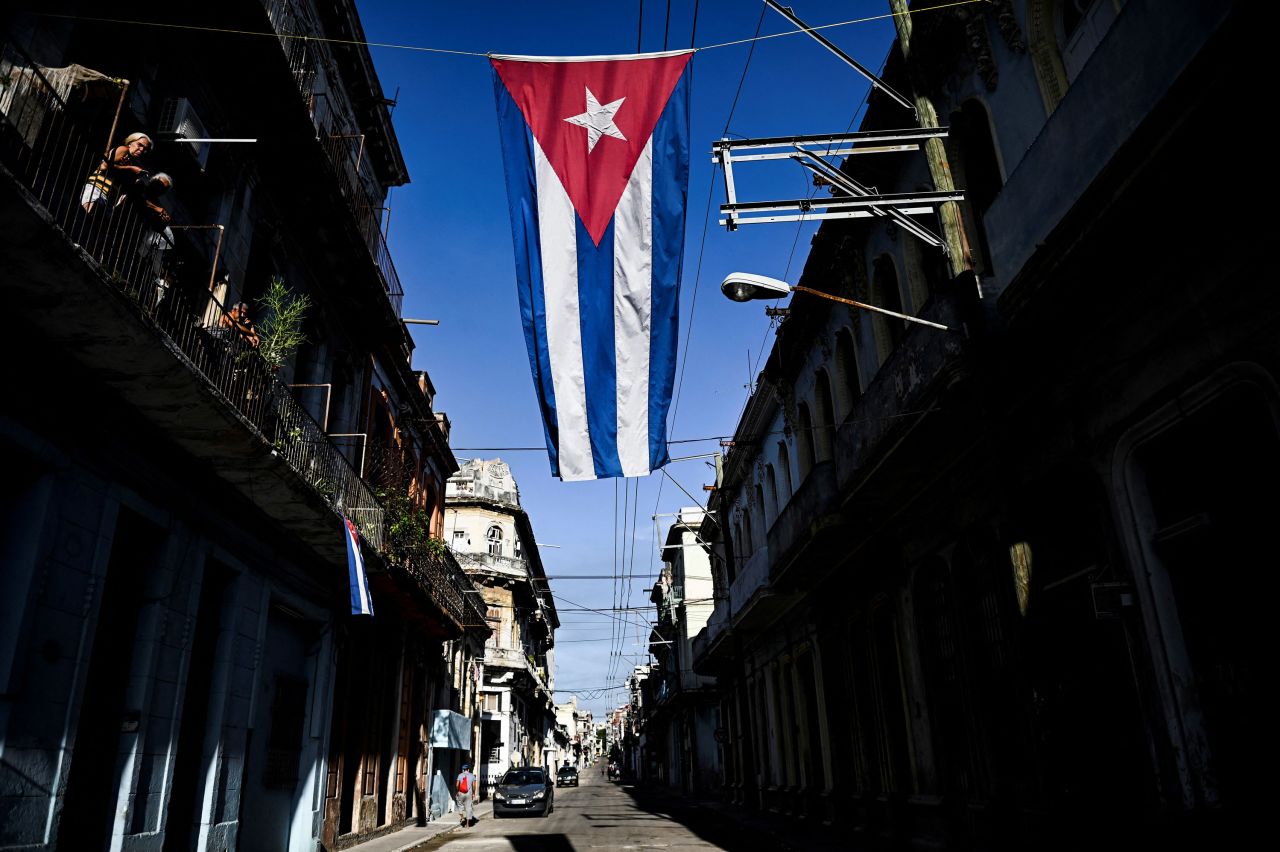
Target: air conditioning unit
point(179, 121)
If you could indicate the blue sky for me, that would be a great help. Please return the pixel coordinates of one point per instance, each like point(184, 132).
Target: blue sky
point(451, 239)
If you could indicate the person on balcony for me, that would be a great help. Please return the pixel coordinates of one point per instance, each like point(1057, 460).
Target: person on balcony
point(237, 321)
point(157, 237)
point(118, 170)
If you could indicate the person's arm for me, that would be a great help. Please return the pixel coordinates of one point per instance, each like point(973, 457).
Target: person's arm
point(159, 211)
point(118, 161)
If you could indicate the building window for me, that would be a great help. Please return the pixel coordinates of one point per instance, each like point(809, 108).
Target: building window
point(885, 294)
point(517, 548)
point(494, 537)
point(824, 436)
point(848, 386)
point(977, 165)
point(1081, 24)
point(805, 440)
point(771, 480)
point(784, 464)
point(459, 539)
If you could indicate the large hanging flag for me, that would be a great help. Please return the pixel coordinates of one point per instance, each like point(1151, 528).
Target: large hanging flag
point(361, 601)
point(597, 163)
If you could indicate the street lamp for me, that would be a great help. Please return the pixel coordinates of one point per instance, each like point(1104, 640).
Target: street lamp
point(744, 287)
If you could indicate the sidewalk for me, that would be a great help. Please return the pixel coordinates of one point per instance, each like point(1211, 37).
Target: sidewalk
point(414, 836)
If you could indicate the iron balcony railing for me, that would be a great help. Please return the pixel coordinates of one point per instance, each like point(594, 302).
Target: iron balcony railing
point(392, 470)
point(344, 147)
point(169, 274)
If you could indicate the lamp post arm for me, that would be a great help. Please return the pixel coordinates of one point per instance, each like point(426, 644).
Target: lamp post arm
point(797, 288)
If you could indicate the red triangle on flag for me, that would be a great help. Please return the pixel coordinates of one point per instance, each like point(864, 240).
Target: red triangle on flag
point(551, 94)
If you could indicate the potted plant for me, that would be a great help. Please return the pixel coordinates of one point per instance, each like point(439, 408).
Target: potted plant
point(280, 332)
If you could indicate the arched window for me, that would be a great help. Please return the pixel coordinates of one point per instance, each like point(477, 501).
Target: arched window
point(824, 435)
point(804, 440)
point(494, 537)
point(848, 385)
point(1062, 36)
point(1079, 27)
point(885, 294)
point(748, 543)
point(977, 168)
point(784, 463)
point(765, 514)
point(771, 481)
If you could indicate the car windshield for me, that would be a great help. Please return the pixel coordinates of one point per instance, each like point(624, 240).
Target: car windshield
point(568, 770)
point(523, 776)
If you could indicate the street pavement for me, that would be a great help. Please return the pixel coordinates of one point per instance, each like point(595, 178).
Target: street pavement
point(600, 814)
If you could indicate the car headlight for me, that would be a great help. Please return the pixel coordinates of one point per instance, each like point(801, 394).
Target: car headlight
point(497, 796)
point(540, 794)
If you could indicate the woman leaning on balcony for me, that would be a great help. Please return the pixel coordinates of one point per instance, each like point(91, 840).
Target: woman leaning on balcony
point(118, 170)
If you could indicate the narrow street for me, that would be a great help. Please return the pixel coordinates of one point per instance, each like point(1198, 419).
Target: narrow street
point(600, 814)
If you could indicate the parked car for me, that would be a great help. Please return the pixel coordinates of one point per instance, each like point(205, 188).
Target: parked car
point(527, 790)
point(567, 776)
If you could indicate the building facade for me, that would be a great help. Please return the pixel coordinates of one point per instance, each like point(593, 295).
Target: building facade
point(179, 666)
point(682, 719)
point(490, 533)
point(979, 587)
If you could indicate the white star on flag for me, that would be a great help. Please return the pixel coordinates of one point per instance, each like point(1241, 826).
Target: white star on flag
point(598, 120)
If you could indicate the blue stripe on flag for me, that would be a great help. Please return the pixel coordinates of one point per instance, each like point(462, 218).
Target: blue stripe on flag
point(522, 197)
point(595, 312)
point(670, 187)
point(361, 600)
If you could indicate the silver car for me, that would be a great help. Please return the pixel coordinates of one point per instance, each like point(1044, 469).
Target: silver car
point(527, 790)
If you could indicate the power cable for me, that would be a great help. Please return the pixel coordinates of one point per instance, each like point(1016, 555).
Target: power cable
point(476, 53)
point(706, 438)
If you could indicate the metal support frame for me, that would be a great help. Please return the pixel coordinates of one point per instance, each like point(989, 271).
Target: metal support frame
point(858, 202)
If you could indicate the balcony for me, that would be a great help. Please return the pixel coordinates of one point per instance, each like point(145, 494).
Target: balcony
point(135, 306)
point(344, 147)
point(514, 658)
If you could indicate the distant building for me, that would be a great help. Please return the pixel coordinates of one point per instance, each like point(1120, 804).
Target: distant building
point(681, 721)
point(489, 532)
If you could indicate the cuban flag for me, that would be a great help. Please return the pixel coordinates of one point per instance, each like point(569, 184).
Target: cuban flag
point(597, 166)
point(361, 601)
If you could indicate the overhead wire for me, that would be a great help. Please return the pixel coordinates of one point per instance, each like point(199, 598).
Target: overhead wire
point(476, 53)
point(706, 438)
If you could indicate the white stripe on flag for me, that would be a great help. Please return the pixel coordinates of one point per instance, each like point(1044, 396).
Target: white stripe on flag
point(558, 236)
point(632, 301)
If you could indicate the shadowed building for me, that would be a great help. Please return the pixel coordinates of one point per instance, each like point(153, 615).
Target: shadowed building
point(179, 668)
point(1001, 586)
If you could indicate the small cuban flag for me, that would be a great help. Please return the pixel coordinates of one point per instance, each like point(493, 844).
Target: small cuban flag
point(597, 165)
point(361, 601)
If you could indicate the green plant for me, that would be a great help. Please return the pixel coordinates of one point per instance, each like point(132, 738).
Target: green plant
point(408, 525)
point(280, 331)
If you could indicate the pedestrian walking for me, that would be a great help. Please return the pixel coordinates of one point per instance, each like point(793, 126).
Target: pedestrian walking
point(465, 787)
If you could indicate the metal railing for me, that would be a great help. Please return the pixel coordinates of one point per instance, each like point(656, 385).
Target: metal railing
point(343, 147)
point(391, 470)
point(168, 271)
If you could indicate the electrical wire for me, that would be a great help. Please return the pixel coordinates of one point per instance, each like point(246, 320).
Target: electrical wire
point(897, 416)
point(485, 54)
